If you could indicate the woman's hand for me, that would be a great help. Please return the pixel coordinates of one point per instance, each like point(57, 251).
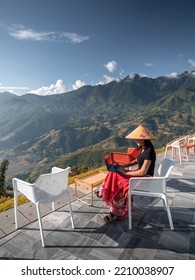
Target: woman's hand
point(142, 171)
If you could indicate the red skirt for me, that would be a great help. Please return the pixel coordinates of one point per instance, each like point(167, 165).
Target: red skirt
point(114, 192)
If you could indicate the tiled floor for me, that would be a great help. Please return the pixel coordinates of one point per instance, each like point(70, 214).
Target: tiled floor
point(92, 239)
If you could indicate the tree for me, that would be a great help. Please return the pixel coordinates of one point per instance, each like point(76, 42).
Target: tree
point(3, 169)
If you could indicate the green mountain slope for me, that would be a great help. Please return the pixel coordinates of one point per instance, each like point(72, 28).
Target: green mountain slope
point(79, 125)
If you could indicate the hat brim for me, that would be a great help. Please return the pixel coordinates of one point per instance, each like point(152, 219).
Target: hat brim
point(141, 133)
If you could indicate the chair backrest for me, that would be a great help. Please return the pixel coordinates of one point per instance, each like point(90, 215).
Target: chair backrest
point(155, 184)
point(179, 141)
point(49, 187)
point(165, 168)
point(191, 138)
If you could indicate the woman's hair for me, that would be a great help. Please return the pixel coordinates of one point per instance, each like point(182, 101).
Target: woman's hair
point(148, 144)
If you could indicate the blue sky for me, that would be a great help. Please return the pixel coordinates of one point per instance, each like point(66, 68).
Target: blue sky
point(53, 46)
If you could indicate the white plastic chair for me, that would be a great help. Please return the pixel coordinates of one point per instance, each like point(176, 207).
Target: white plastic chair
point(190, 145)
point(177, 144)
point(153, 187)
point(191, 138)
point(47, 188)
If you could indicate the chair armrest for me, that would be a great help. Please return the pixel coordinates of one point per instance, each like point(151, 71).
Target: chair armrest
point(147, 184)
point(24, 187)
point(21, 182)
point(146, 178)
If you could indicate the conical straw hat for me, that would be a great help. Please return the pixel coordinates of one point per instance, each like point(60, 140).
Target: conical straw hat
point(141, 133)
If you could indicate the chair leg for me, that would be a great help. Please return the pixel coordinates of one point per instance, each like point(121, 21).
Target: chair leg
point(165, 152)
point(15, 188)
point(130, 211)
point(180, 155)
point(187, 154)
point(40, 224)
point(172, 152)
point(168, 212)
point(170, 218)
point(70, 208)
point(16, 206)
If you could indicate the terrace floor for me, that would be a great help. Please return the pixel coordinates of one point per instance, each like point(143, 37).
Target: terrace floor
point(92, 239)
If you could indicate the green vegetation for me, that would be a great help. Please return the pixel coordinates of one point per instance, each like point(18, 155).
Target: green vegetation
point(7, 202)
point(3, 169)
point(77, 128)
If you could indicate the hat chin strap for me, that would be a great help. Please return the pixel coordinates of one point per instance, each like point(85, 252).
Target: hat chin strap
point(139, 147)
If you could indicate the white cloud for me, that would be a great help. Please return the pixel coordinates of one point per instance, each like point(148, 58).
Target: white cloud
point(78, 84)
point(107, 79)
point(56, 88)
point(143, 75)
point(131, 76)
point(192, 62)
point(149, 64)
point(121, 73)
point(13, 89)
point(111, 66)
point(192, 73)
point(74, 37)
point(20, 32)
point(172, 75)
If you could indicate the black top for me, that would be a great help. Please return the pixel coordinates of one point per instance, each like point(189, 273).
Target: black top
point(147, 154)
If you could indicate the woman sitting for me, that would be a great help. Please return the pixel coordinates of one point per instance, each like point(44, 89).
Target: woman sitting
point(114, 191)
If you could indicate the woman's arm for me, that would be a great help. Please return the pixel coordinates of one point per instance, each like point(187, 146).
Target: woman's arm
point(140, 172)
point(132, 163)
point(124, 168)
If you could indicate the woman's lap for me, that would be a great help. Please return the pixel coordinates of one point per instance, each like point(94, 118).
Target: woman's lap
point(114, 193)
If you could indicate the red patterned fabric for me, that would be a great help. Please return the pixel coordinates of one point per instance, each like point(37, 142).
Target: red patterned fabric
point(114, 193)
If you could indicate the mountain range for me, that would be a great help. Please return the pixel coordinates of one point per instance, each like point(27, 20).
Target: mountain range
point(79, 127)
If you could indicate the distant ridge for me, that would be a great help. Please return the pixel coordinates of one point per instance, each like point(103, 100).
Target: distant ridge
point(37, 130)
